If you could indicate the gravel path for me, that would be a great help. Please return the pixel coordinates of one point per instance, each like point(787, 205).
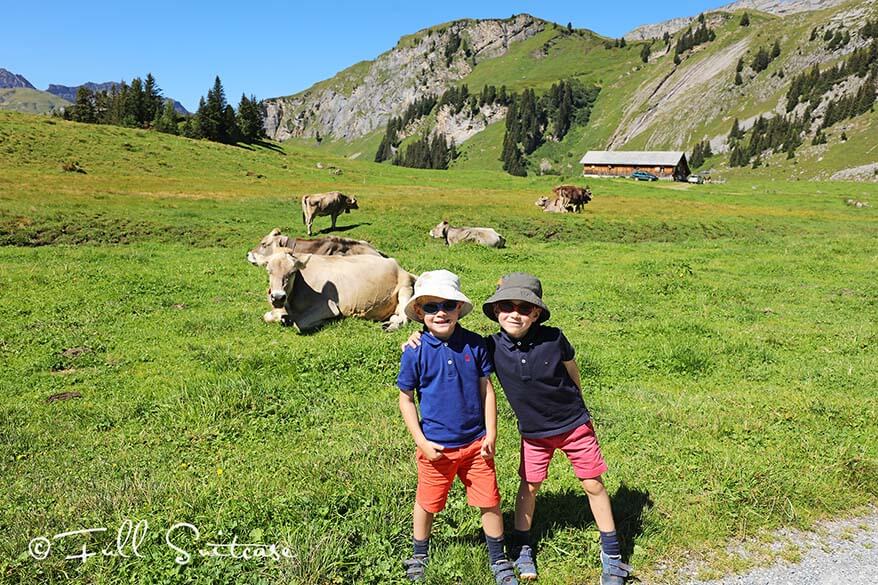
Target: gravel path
point(839, 552)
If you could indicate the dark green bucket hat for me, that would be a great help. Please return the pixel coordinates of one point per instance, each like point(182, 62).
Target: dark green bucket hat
point(518, 286)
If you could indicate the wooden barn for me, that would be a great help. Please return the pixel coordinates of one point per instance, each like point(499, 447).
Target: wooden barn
point(617, 163)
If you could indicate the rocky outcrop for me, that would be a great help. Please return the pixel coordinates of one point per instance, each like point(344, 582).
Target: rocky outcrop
point(362, 98)
point(464, 125)
point(9, 80)
point(776, 7)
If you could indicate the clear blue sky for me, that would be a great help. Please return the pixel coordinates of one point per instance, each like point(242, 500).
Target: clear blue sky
point(268, 48)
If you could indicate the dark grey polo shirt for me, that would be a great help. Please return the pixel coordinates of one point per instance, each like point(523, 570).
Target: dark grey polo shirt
point(536, 383)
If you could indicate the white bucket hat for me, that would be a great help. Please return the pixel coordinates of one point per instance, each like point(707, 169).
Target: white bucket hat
point(438, 283)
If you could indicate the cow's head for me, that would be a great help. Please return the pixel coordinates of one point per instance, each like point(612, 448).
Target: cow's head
point(440, 230)
point(282, 267)
point(350, 203)
point(258, 256)
point(542, 202)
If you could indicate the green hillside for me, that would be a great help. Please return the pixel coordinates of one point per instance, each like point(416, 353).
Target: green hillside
point(32, 101)
point(662, 106)
point(720, 329)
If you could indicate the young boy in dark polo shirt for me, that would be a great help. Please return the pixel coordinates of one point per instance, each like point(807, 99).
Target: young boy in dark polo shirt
point(457, 429)
point(540, 378)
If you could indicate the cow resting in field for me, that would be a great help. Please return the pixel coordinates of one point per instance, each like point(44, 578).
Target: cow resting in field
point(567, 198)
point(479, 235)
point(332, 204)
point(307, 290)
point(328, 246)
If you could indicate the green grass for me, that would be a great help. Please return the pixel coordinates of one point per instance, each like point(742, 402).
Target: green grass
point(724, 333)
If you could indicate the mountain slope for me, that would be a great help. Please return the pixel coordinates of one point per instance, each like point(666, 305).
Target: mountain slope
point(33, 101)
point(672, 101)
point(360, 99)
point(8, 79)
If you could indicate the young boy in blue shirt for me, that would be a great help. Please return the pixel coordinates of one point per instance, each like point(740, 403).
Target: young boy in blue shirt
point(457, 430)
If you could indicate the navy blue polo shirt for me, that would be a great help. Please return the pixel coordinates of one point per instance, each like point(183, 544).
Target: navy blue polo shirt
point(445, 375)
point(537, 385)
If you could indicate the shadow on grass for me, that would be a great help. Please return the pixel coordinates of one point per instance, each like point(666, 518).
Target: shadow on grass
point(570, 509)
point(343, 228)
point(263, 144)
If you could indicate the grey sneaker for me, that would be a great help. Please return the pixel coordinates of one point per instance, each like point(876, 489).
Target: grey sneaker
point(527, 568)
point(613, 571)
point(415, 567)
point(504, 573)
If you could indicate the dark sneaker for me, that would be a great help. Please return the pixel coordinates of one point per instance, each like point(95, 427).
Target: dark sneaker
point(527, 569)
point(415, 567)
point(504, 573)
point(614, 571)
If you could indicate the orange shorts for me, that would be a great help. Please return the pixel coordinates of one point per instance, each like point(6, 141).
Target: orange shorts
point(476, 473)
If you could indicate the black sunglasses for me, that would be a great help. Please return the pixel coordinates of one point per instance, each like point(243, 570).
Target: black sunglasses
point(433, 308)
point(523, 309)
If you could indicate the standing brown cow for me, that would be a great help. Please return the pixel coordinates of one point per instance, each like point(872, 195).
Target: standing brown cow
point(333, 204)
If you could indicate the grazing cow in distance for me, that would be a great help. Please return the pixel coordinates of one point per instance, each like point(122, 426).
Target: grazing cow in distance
point(328, 246)
point(307, 290)
point(567, 198)
point(479, 235)
point(332, 204)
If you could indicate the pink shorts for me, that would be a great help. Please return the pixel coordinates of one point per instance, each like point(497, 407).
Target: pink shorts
point(580, 445)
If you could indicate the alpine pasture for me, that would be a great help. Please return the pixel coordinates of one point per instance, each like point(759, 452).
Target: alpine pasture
point(726, 336)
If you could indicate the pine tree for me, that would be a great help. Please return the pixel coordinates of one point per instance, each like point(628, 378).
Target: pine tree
point(231, 134)
point(644, 53)
point(152, 98)
point(166, 120)
point(745, 19)
point(84, 107)
point(212, 118)
point(251, 120)
point(735, 133)
point(775, 50)
point(697, 158)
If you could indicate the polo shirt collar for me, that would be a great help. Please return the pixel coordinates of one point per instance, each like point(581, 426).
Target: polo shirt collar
point(433, 341)
point(510, 342)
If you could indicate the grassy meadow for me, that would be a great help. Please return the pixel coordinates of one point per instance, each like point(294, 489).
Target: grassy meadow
point(725, 333)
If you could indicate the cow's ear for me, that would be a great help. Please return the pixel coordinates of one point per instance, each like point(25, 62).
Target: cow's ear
point(275, 232)
point(302, 261)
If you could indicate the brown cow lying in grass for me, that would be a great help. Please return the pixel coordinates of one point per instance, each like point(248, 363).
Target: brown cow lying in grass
point(479, 235)
point(328, 246)
point(308, 290)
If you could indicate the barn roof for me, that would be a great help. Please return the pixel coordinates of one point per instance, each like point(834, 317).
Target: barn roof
point(642, 158)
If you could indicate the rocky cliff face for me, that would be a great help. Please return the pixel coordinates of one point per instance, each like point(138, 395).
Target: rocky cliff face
point(362, 98)
point(8, 80)
point(776, 7)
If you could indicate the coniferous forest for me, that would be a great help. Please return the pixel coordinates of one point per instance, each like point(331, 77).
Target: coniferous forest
point(140, 104)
